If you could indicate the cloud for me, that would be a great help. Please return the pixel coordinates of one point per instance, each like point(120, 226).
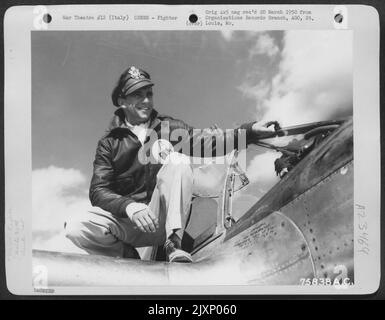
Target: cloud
point(314, 81)
point(264, 45)
point(261, 168)
point(57, 193)
point(227, 34)
point(261, 58)
point(255, 91)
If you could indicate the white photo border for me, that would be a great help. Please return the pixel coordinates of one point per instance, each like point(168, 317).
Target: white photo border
point(18, 24)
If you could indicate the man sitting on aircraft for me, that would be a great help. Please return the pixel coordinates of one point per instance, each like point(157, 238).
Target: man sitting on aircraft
point(140, 203)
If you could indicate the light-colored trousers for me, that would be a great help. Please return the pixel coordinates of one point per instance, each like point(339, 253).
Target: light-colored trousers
point(99, 232)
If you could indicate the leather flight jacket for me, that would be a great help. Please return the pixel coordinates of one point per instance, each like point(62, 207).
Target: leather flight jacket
point(120, 177)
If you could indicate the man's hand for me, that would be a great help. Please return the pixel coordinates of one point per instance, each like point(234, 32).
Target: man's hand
point(263, 129)
point(145, 220)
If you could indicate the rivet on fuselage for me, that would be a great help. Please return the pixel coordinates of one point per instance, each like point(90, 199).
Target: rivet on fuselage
point(344, 170)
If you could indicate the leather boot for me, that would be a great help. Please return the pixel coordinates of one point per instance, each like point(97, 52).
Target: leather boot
point(174, 252)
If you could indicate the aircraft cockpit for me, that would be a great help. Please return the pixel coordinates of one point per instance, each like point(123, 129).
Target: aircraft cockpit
point(215, 186)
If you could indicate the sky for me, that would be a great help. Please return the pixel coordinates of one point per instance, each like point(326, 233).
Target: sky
point(201, 77)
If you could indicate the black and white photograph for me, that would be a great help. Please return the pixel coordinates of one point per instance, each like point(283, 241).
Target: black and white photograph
point(182, 158)
point(293, 219)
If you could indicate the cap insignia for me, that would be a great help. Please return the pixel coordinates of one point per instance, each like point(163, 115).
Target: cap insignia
point(135, 73)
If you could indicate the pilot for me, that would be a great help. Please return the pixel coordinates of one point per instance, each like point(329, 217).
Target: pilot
point(139, 203)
